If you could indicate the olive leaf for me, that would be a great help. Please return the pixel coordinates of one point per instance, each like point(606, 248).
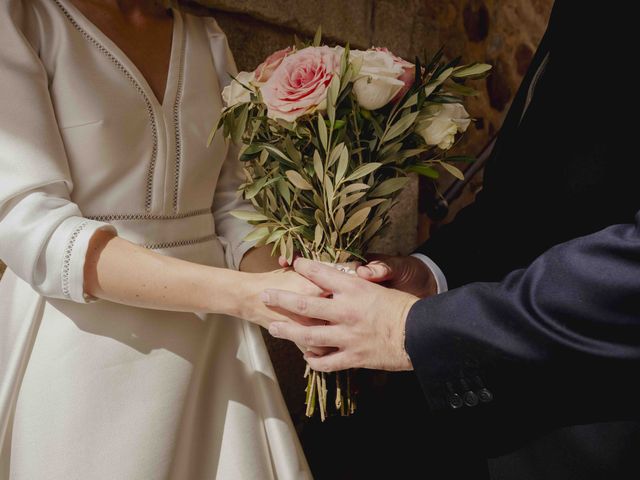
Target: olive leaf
point(472, 70)
point(284, 191)
point(354, 187)
point(322, 132)
point(343, 163)
point(433, 84)
point(355, 220)
point(400, 127)
point(249, 216)
point(318, 233)
point(328, 189)
point(339, 217)
point(317, 39)
point(317, 165)
point(349, 199)
point(335, 154)
point(425, 171)
point(389, 186)
point(455, 171)
point(297, 180)
point(257, 234)
point(369, 204)
point(332, 98)
point(252, 190)
point(240, 125)
point(276, 235)
point(363, 170)
point(372, 228)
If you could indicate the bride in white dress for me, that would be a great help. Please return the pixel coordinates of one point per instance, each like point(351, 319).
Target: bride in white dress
point(115, 226)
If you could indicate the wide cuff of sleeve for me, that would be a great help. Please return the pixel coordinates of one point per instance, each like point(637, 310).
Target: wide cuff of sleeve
point(438, 275)
point(69, 244)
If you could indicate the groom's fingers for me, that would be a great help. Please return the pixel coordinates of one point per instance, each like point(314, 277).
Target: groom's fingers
point(325, 276)
point(332, 362)
point(305, 306)
point(325, 336)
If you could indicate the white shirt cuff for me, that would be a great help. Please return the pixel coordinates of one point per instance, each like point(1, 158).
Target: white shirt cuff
point(441, 280)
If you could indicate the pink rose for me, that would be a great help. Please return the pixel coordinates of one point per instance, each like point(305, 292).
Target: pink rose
point(273, 61)
point(299, 85)
point(408, 75)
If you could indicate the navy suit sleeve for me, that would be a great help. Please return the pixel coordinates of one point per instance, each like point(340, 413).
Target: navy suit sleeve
point(562, 336)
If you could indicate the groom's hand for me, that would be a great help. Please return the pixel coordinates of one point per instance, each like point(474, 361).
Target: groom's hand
point(365, 321)
point(408, 274)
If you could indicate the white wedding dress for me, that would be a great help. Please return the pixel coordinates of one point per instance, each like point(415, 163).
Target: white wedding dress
point(95, 390)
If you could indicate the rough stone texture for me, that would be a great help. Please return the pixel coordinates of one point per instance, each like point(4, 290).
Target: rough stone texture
point(502, 32)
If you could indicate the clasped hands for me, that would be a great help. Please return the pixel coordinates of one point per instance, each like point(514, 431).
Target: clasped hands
point(364, 321)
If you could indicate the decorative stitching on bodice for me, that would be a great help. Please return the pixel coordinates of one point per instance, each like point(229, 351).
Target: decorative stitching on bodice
point(176, 123)
point(148, 216)
point(180, 243)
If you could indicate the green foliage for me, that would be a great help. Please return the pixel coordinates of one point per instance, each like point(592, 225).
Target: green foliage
point(324, 185)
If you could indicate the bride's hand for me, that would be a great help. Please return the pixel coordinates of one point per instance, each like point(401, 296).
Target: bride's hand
point(249, 303)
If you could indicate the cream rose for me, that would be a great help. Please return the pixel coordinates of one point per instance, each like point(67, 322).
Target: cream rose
point(299, 85)
point(235, 92)
point(381, 79)
point(441, 128)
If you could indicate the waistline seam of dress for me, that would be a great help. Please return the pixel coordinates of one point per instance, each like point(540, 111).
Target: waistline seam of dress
point(180, 243)
point(152, 119)
point(148, 216)
point(176, 122)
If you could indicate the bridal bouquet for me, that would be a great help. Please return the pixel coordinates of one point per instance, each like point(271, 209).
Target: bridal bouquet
point(328, 136)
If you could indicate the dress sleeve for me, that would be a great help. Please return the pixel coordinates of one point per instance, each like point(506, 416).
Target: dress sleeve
point(43, 235)
point(231, 230)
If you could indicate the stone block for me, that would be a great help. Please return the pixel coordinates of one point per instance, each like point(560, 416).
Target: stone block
point(341, 21)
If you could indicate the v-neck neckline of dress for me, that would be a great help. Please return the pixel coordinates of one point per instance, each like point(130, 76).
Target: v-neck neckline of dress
point(177, 39)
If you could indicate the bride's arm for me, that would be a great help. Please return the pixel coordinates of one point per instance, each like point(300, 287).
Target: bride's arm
point(122, 272)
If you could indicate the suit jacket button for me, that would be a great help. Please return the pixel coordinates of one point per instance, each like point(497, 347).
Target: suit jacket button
point(470, 399)
point(485, 395)
point(455, 401)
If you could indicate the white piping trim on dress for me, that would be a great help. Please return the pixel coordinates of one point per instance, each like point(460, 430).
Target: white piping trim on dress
point(139, 89)
point(148, 216)
point(180, 243)
point(176, 122)
point(66, 259)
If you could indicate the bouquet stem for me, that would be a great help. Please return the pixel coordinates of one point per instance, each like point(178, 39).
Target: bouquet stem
point(317, 393)
point(317, 390)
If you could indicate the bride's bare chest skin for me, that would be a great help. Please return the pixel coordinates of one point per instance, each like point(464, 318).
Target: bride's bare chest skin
point(144, 35)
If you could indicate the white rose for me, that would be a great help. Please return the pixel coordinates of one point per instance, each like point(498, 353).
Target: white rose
point(441, 129)
point(377, 82)
point(235, 92)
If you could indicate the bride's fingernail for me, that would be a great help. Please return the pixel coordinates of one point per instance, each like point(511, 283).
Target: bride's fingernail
point(273, 330)
point(264, 298)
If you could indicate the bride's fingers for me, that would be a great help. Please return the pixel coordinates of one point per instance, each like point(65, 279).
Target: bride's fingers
point(376, 271)
point(284, 263)
point(316, 351)
point(301, 319)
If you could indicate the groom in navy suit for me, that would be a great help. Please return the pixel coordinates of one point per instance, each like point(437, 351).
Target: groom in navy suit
point(532, 358)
